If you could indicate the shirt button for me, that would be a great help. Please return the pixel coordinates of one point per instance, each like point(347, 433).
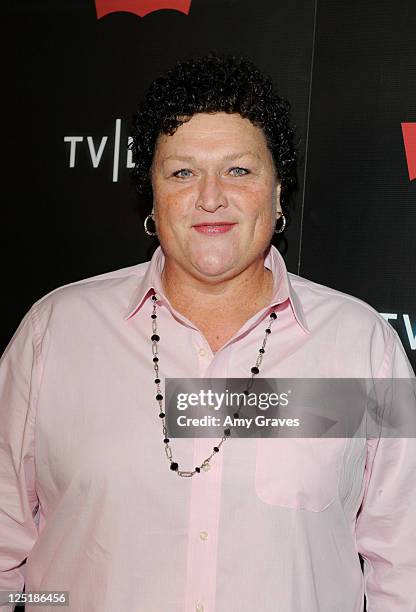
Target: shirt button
point(203, 535)
point(199, 608)
point(202, 352)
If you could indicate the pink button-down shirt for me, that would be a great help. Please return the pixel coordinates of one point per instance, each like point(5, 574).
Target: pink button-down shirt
point(88, 497)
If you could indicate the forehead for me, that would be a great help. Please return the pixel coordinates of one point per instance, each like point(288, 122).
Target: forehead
point(216, 133)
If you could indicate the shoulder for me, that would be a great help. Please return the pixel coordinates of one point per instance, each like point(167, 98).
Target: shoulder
point(109, 291)
point(349, 325)
point(328, 302)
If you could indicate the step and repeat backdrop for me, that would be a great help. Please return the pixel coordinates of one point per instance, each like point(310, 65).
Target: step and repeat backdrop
point(76, 70)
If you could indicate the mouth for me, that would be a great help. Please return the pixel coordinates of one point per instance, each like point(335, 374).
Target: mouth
point(213, 228)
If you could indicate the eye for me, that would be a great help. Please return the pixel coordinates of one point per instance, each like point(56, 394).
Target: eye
point(182, 173)
point(237, 171)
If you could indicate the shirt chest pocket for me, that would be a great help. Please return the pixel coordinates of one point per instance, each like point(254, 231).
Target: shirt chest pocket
point(298, 472)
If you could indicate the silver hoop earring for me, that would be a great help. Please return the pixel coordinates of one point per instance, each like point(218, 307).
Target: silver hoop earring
point(282, 229)
point(149, 216)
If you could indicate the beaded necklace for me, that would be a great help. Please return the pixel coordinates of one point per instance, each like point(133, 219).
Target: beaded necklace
point(205, 465)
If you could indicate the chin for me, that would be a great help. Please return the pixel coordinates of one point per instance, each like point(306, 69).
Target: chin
point(214, 262)
point(213, 266)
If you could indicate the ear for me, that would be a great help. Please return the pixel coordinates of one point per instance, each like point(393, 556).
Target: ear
point(279, 211)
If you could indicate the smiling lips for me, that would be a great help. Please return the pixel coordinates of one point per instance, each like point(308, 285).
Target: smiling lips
point(213, 228)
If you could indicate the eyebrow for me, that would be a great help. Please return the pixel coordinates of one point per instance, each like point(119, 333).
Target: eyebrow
point(228, 157)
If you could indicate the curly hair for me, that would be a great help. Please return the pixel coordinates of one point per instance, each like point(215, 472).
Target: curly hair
point(209, 84)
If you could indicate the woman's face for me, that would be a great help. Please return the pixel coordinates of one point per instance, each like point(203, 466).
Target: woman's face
point(214, 169)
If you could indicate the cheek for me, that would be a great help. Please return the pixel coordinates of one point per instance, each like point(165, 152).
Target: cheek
point(262, 210)
point(170, 214)
point(178, 198)
point(258, 199)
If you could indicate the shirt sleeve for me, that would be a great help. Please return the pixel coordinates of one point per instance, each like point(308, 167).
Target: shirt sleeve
point(18, 499)
point(386, 523)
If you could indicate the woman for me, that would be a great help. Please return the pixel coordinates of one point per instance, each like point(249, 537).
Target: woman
point(93, 498)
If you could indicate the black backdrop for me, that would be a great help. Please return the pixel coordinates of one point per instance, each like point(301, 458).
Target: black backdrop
point(73, 80)
point(71, 84)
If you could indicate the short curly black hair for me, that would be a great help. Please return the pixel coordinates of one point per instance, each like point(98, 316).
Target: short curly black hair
point(209, 84)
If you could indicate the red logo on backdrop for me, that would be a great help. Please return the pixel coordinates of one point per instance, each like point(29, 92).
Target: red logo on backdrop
point(409, 139)
point(140, 7)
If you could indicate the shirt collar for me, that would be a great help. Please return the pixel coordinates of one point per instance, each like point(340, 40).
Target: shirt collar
point(282, 287)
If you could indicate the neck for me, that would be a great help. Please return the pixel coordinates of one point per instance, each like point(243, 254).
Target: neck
point(238, 297)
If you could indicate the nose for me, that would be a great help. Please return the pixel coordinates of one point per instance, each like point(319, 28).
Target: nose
point(211, 194)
